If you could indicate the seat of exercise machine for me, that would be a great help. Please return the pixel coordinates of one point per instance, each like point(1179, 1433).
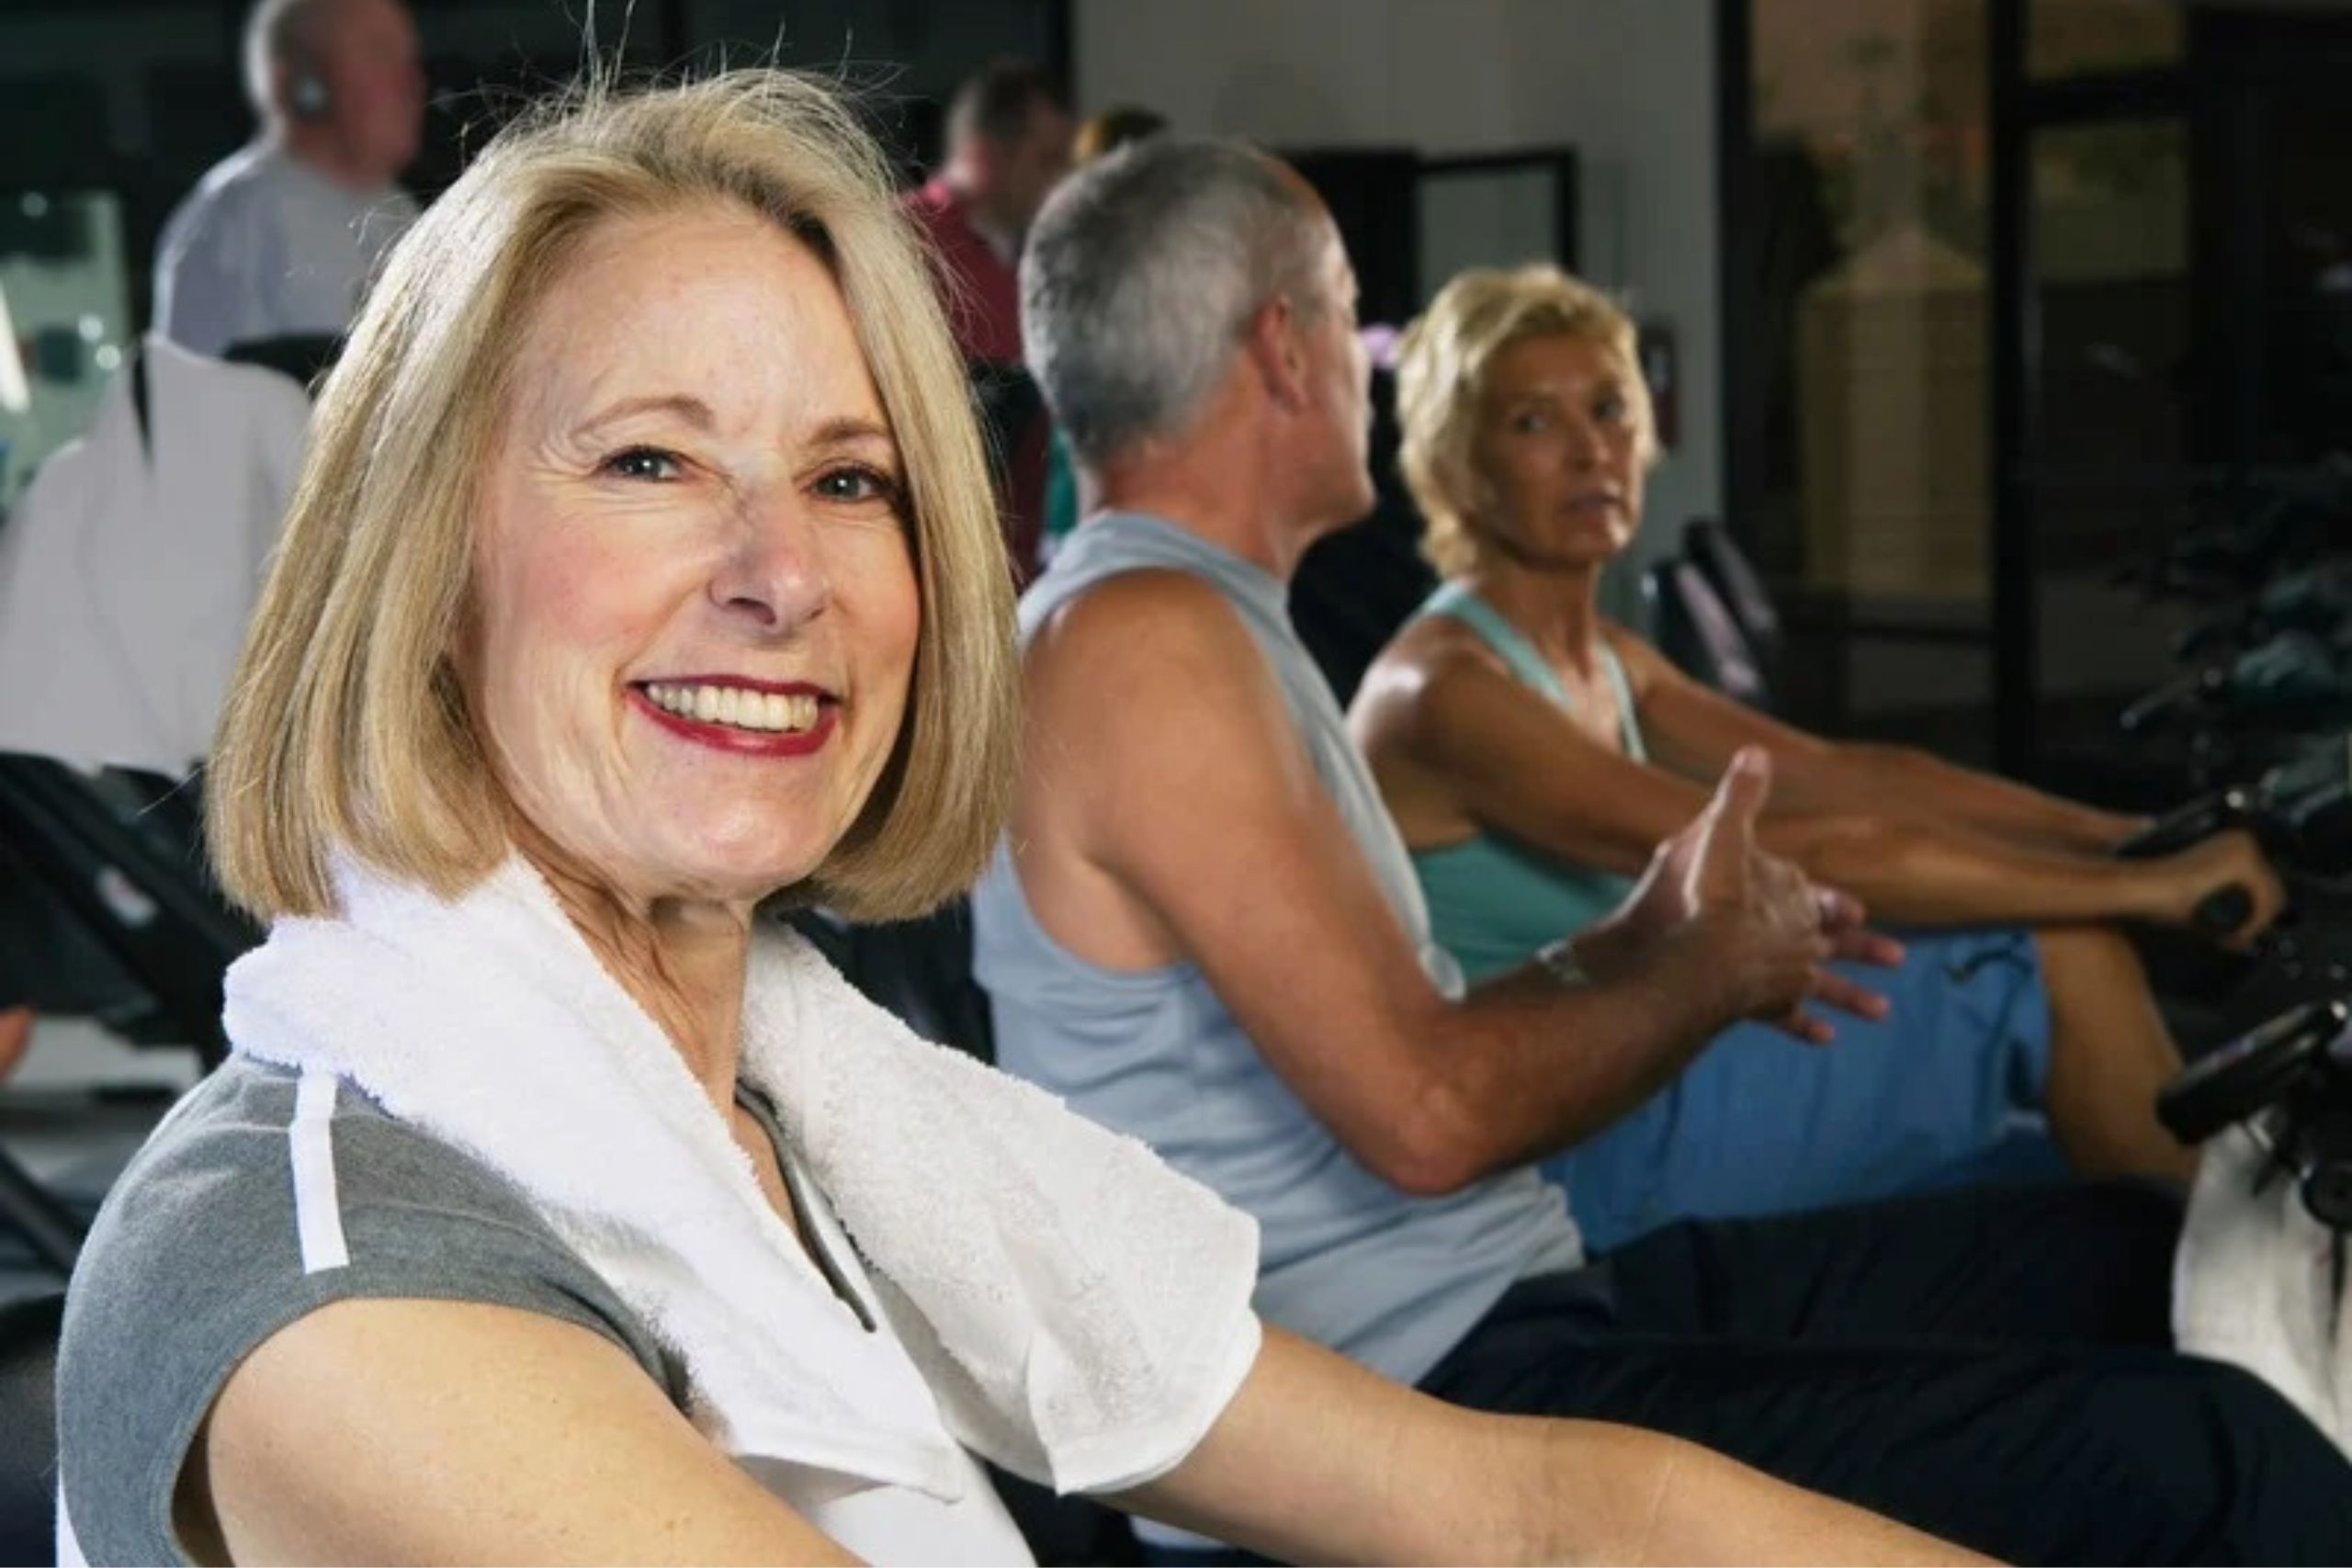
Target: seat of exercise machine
point(1697, 633)
point(1710, 547)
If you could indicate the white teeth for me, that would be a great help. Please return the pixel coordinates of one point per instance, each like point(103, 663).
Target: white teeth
point(739, 707)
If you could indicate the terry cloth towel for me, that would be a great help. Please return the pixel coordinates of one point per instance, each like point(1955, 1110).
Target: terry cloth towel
point(1069, 1306)
point(2254, 1284)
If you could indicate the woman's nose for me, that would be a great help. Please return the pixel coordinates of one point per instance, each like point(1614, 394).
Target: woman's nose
point(1586, 447)
point(774, 571)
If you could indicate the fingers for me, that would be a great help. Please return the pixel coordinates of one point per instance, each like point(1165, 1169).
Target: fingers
point(1804, 1028)
point(1839, 910)
point(1849, 995)
point(1842, 921)
point(1832, 989)
point(1740, 793)
point(1727, 827)
point(1862, 946)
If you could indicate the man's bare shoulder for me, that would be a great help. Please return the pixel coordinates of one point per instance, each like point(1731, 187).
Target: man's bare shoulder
point(1142, 624)
point(1152, 678)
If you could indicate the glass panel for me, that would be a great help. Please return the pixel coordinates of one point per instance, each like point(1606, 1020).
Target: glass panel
point(2090, 38)
point(64, 322)
point(2107, 456)
point(1873, 327)
point(1869, 121)
point(2301, 315)
point(1491, 214)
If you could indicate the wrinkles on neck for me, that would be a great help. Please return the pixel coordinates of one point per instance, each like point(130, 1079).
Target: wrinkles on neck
point(683, 960)
point(1556, 606)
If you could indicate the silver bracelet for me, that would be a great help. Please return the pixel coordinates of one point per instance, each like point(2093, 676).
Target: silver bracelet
point(1560, 962)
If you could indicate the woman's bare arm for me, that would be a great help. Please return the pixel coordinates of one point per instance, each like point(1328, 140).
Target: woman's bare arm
point(430, 1431)
point(1318, 1461)
point(1685, 723)
point(1451, 722)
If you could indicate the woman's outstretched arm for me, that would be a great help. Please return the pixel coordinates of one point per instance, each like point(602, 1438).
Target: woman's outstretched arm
point(1445, 722)
point(1318, 1461)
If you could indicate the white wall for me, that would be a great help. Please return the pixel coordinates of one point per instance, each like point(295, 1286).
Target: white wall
point(1630, 83)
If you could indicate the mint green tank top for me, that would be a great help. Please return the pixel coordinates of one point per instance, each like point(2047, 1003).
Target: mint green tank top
point(1493, 898)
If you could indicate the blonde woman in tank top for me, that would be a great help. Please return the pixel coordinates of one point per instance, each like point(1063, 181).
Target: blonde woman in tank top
point(1534, 753)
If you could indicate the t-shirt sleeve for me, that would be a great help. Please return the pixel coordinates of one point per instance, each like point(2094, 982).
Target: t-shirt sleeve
point(197, 1258)
point(204, 277)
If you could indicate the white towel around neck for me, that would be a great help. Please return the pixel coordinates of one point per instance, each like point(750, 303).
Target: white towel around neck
point(1069, 1306)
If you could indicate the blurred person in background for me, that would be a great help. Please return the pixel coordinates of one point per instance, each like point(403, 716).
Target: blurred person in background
point(281, 238)
point(15, 1033)
point(1008, 144)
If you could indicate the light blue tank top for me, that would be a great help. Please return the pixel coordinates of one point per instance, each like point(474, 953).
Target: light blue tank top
point(1391, 1279)
point(1493, 900)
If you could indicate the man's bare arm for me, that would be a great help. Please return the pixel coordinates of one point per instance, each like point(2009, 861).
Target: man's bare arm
point(1170, 811)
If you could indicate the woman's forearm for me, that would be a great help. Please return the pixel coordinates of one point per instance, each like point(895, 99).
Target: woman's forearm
point(1908, 873)
point(1915, 783)
point(1644, 1498)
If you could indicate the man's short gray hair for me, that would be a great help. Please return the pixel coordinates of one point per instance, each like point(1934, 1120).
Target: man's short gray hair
point(1142, 274)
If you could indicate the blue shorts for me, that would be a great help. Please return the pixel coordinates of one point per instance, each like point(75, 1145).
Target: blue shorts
point(1946, 1090)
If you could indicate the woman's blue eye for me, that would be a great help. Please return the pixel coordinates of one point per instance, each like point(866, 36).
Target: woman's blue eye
point(643, 463)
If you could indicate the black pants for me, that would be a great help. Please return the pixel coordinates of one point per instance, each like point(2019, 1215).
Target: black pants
point(1988, 1365)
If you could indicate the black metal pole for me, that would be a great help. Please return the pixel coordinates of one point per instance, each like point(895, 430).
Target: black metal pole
point(1744, 402)
point(49, 1228)
point(2013, 421)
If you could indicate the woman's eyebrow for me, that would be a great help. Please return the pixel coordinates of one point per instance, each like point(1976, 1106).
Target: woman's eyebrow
point(851, 430)
point(684, 405)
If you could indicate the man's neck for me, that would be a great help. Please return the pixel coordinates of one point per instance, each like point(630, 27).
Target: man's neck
point(995, 231)
point(1191, 486)
point(320, 151)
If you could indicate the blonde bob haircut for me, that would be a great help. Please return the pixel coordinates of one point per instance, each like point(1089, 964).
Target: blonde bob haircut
point(347, 730)
point(1442, 385)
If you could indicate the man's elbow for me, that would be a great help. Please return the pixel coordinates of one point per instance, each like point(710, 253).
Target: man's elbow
point(1434, 1150)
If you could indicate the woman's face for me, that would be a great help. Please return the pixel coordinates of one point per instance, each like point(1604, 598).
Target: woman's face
point(1557, 453)
point(695, 610)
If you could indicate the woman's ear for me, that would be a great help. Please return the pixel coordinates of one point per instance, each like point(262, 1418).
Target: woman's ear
point(1465, 488)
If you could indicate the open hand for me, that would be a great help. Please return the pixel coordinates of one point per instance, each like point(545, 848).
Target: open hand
point(1769, 931)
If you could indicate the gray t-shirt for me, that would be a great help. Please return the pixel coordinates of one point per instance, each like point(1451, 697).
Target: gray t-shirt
point(196, 1258)
point(267, 246)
